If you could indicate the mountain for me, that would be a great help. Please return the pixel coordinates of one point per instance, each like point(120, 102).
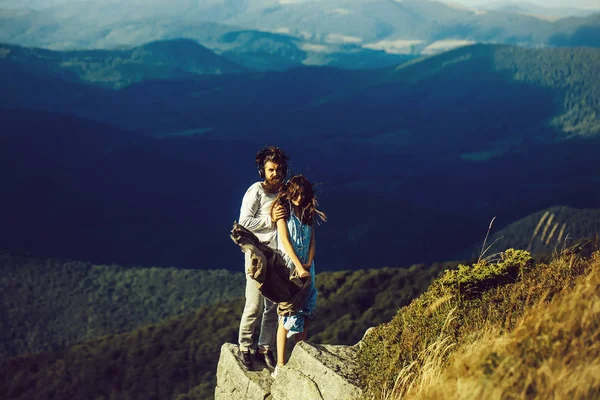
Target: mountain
point(575, 33)
point(172, 59)
point(253, 49)
point(272, 51)
point(561, 76)
point(102, 194)
point(447, 141)
point(534, 9)
point(410, 27)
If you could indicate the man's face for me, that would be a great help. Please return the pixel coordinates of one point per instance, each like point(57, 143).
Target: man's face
point(273, 172)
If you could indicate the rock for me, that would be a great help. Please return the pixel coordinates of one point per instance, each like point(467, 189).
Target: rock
point(235, 382)
point(318, 372)
point(293, 384)
point(313, 372)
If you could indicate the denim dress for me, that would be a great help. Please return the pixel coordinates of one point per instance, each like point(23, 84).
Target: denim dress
point(300, 235)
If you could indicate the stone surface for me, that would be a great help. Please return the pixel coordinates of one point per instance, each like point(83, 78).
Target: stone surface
point(235, 382)
point(313, 372)
point(319, 372)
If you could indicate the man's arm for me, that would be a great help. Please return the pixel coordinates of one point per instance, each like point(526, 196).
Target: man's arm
point(250, 205)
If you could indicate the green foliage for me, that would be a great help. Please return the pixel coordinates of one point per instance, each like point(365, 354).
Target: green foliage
point(567, 70)
point(49, 305)
point(176, 357)
point(350, 302)
point(484, 274)
point(443, 312)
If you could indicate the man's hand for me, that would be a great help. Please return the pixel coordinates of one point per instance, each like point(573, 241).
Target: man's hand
point(278, 212)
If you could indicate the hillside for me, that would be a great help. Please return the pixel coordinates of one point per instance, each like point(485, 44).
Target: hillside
point(503, 328)
point(556, 87)
point(449, 85)
point(178, 356)
point(172, 59)
point(451, 324)
point(548, 231)
point(53, 304)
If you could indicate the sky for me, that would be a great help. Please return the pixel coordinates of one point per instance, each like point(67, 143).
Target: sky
point(588, 4)
point(581, 4)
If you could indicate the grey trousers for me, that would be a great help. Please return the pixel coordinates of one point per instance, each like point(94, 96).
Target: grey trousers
point(257, 304)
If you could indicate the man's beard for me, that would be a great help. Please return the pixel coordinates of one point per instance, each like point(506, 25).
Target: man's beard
point(272, 185)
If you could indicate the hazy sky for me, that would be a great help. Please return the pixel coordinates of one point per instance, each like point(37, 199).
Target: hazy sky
point(588, 4)
point(591, 4)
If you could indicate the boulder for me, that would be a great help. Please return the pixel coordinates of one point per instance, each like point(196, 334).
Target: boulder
point(313, 372)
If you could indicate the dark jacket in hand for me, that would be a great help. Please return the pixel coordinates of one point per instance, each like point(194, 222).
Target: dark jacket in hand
point(269, 269)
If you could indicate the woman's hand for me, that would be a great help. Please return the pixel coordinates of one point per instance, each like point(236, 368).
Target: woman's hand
point(307, 266)
point(302, 272)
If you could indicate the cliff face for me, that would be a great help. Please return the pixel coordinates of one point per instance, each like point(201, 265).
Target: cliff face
point(313, 372)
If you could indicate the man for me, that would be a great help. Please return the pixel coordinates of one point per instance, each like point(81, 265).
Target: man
point(256, 216)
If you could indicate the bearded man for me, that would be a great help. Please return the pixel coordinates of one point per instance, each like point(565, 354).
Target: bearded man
point(257, 215)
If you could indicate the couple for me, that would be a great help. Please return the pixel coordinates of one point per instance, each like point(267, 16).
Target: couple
point(281, 215)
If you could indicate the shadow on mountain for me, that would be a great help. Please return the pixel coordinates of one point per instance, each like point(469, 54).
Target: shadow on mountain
point(583, 36)
point(410, 163)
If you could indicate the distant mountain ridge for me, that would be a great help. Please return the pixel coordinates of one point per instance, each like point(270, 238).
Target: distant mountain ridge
point(173, 59)
point(534, 9)
point(317, 32)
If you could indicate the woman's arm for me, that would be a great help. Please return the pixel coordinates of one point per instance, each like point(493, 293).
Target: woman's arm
point(311, 249)
point(283, 233)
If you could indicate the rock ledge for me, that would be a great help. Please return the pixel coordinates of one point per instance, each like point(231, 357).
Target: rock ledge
point(314, 372)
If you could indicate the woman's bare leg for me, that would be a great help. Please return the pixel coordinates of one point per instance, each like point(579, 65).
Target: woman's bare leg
point(281, 342)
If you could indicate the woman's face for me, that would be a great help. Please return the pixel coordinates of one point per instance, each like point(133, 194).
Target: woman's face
point(298, 199)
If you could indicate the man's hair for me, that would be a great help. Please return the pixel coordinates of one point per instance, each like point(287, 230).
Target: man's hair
point(273, 154)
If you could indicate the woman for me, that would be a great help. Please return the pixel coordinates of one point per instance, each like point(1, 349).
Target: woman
point(296, 238)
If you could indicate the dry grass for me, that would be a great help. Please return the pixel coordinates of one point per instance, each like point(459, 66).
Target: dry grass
point(423, 372)
point(538, 337)
point(553, 353)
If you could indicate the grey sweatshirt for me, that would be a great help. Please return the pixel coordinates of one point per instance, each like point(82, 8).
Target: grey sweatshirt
point(255, 214)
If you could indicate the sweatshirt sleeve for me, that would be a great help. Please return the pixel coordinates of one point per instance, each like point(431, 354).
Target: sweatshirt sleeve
point(250, 205)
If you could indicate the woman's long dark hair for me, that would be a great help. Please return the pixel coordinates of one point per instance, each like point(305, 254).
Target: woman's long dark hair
point(289, 191)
